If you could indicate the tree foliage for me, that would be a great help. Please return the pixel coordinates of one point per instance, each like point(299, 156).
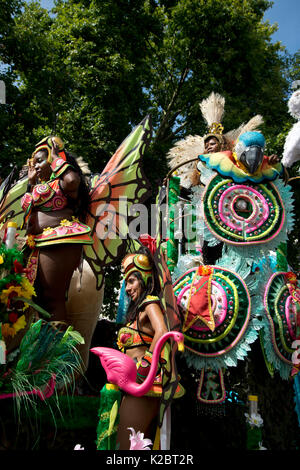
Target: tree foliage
point(90, 70)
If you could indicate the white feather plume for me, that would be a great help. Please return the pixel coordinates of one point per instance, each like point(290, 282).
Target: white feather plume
point(183, 151)
point(252, 125)
point(212, 108)
point(291, 149)
point(294, 105)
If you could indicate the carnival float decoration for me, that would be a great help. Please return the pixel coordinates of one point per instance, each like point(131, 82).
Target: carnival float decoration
point(232, 283)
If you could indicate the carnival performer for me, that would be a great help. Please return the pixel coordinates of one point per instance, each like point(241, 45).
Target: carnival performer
point(183, 156)
point(55, 207)
point(144, 326)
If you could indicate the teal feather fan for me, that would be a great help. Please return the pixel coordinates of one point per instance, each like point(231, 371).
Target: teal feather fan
point(46, 355)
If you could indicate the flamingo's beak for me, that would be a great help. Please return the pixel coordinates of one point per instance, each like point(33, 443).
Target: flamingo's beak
point(180, 346)
point(95, 351)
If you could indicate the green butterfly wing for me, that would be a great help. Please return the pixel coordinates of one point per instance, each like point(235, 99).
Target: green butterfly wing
point(10, 203)
point(121, 185)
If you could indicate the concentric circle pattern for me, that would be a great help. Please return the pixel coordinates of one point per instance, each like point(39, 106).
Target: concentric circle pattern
point(230, 305)
point(281, 311)
point(243, 214)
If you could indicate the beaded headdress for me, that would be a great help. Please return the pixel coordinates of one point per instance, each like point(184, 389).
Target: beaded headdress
point(46, 144)
point(137, 262)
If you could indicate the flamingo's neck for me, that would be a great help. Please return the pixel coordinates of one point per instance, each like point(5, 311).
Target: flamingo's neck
point(142, 389)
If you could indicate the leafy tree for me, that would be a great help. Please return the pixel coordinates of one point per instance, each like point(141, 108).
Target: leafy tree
point(92, 70)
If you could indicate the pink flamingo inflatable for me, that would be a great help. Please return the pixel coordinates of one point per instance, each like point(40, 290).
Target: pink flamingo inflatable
point(121, 369)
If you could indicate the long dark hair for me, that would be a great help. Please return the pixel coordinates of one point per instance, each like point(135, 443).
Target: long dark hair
point(150, 289)
point(83, 190)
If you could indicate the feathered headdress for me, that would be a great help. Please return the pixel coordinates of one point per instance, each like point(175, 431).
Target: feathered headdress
point(212, 109)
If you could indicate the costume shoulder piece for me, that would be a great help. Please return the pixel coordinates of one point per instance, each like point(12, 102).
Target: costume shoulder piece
point(150, 299)
point(59, 166)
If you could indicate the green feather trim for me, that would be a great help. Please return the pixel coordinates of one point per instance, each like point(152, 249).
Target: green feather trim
point(172, 244)
point(110, 400)
point(44, 353)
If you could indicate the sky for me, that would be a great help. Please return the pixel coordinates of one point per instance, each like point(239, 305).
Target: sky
point(287, 14)
point(284, 12)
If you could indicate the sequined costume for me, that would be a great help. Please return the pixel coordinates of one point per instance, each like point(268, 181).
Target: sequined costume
point(49, 197)
point(131, 336)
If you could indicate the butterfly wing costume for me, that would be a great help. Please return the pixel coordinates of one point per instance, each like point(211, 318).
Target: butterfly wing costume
point(113, 192)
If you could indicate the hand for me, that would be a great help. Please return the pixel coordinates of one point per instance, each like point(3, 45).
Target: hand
point(273, 159)
point(32, 175)
point(54, 150)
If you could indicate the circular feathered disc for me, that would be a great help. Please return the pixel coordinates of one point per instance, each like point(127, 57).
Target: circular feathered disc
point(216, 306)
point(281, 312)
point(243, 214)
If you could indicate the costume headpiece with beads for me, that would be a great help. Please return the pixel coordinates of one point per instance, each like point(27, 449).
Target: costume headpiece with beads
point(137, 262)
point(46, 144)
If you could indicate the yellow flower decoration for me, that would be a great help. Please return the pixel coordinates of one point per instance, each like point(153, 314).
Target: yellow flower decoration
point(19, 324)
point(27, 289)
point(1, 259)
point(24, 290)
point(47, 230)
point(30, 241)
point(6, 293)
point(65, 223)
